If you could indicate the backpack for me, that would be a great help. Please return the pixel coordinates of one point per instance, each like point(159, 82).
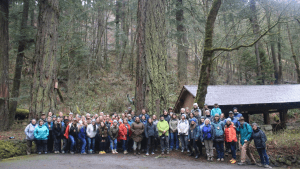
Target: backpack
point(207, 132)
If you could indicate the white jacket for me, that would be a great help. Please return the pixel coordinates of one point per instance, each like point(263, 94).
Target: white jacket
point(183, 127)
point(90, 131)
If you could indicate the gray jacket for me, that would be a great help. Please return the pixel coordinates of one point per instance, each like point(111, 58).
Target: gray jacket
point(173, 125)
point(29, 131)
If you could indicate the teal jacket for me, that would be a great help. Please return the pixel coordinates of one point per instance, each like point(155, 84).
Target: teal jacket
point(163, 126)
point(215, 111)
point(41, 132)
point(245, 131)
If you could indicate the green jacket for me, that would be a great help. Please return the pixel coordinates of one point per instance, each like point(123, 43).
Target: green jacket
point(163, 126)
point(245, 131)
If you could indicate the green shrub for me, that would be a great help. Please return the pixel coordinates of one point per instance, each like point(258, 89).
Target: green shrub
point(13, 148)
point(22, 114)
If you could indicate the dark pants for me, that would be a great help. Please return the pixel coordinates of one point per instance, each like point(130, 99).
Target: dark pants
point(125, 144)
point(50, 142)
point(103, 145)
point(107, 145)
point(130, 144)
point(65, 147)
point(151, 141)
point(29, 145)
point(233, 148)
point(220, 149)
point(57, 143)
point(144, 143)
point(200, 146)
point(164, 143)
point(192, 143)
point(41, 145)
point(263, 156)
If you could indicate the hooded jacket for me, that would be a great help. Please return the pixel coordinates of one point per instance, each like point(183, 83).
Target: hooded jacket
point(259, 138)
point(90, 132)
point(193, 132)
point(29, 131)
point(215, 111)
point(41, 132)
point(137, 129)
point(114, 132)
point(103, 131)
point(230, 133)
point(57, 130)
point(150, 130)
point(163, 126)
point(245, 132)
point(219, 131)
point(124, 130)
point(203, 135)
point(183, 127)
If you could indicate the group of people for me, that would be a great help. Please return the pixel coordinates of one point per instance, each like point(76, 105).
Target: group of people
point(194, 130)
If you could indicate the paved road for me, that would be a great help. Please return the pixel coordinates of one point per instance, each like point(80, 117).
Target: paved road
point(109, 161)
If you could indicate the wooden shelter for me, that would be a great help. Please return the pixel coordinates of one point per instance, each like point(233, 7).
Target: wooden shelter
point(249, 99)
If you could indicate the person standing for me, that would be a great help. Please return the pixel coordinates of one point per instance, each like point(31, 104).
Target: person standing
point(230, 138)
point(41, 133)
point(150, 133)
point(156, 140)
point(113, 133)
point(73, 133)
point(124, 134)
point(246, 132)
point(207, 136)
point(57, 135)
point(166, 116)
point(82, 136)
point(216, 110)
point(103, 134)
point(91, 132)
point(196, 108)
point(204, 109)
point(192, 139)
point(137, 129)
point(260, 139)
point(65, 137)
point(174, 133)
point(183, 131)
point(29, 132)
point(49, 125)
point(219, 137)
point(163, 133)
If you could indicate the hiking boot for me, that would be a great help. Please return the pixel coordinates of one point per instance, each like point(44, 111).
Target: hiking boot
point(162, 153)
point(211, 159)
point(208, 158)
point(259, 165)
point(222, 159)
point(218, 159)
point(188, 150)
point(267, 166)
point(147, 154)
point(196, 156)
point(152, 153)
point(39, 153)
point(168, 152)
point(241, 163)
point(63, 152)
point(182, 151)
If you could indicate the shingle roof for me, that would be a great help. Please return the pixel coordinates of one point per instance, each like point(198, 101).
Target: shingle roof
point(248, 94)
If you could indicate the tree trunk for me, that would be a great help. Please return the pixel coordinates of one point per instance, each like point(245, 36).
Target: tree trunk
point(207, 53)
point(256, 31)
point(156, 55)
point(19, 63)
point(182, 53)
point(196, 61)
point(296, 61)
point(99, 37)
point(140, 90)
point(280, 80)
point(4, 62)
point(117, 33)
point(44, 64)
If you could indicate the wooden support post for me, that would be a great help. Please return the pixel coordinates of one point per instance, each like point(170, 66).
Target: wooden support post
point(283, 115)
point(246, 116)
point(266, 117)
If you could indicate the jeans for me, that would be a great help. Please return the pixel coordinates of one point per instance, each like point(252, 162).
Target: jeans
point(136, 145)
point(83, 145)
point(220, 149)
point(209, 148)
point(199, 144)
point(42, 145)
point(246, 150)
point(263, 156)
point(65, 145)
point(113, 144)
point(125, 145)
point(151, 141)
point(193, 143)
point(233, 148)
point(184, 142)
point(103, 145)
point(91, 144)
point(164, 143)
point(57, 143)
point(73, 143)
point(50, 142)
point(174, 140)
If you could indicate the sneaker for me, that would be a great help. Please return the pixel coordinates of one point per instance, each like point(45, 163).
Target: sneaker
point(103, 152)
point(83, 153)
point(168, 152)
point(147, 154)
point(39, 153)
point(182, 151)
point(116, 151)
point(63, 152)
point(113, 151)
point(218, 159)
point(100, 152)
point(222, 159)
point(259, 165)
point(28, 153)
point(162, 153)
point(233, 161)
point(208, 158)
point(267, 166)
point(211, 159)
point(152, 153)
point(188, 151)
point(125, 152)
point(176, 149)
point(45, 152)
point(241, 163)
point(72, 152)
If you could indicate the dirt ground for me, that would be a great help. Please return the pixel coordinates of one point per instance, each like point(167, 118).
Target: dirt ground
point(66, 161)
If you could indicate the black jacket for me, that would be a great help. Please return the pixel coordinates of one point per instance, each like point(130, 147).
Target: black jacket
point(150, 130)
point(259, 138)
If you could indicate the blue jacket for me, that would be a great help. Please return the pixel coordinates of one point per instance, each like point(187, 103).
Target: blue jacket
point(130, 122)
point(82, 133)
point(198, 133)
point(235, 121)
point(245, 131)
point(212, 132)
point(219, 130)
point(259, 138)
point(215, 111)
point(190, 120)
point(146, 115)
point(29, 130)
point(193, 133)
point(41, 132)
point(150, 130)
point(237, 115)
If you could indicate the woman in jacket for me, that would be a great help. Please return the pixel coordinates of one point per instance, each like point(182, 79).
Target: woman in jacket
point(113, 133)
point(137, 129)
point(174, 132)
point(192, 138)
point(73, 131)
point(91, 132)
point(103, 134)
point(192, 117)
point(41, 133)
point(150, 133)
point(49, 125)
point(230, 138)
point(124, 134)
point(82, 136)
point(260, 139)
point(29, 132)
point(65, 137)
point(57, 135)
point(219, 137)
point(207, 136)
point(183, 132)
point(144, 141)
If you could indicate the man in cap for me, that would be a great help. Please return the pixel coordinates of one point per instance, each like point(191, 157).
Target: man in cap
point(236, 113)
point(196, 108)
point(163, 132)
point(216, 110)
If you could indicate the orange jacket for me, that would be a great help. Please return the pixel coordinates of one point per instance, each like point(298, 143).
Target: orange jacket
point(230, 133)
point(123, 131)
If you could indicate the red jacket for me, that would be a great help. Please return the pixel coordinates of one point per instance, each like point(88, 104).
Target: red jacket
point(230, 133)
point(123, 131)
